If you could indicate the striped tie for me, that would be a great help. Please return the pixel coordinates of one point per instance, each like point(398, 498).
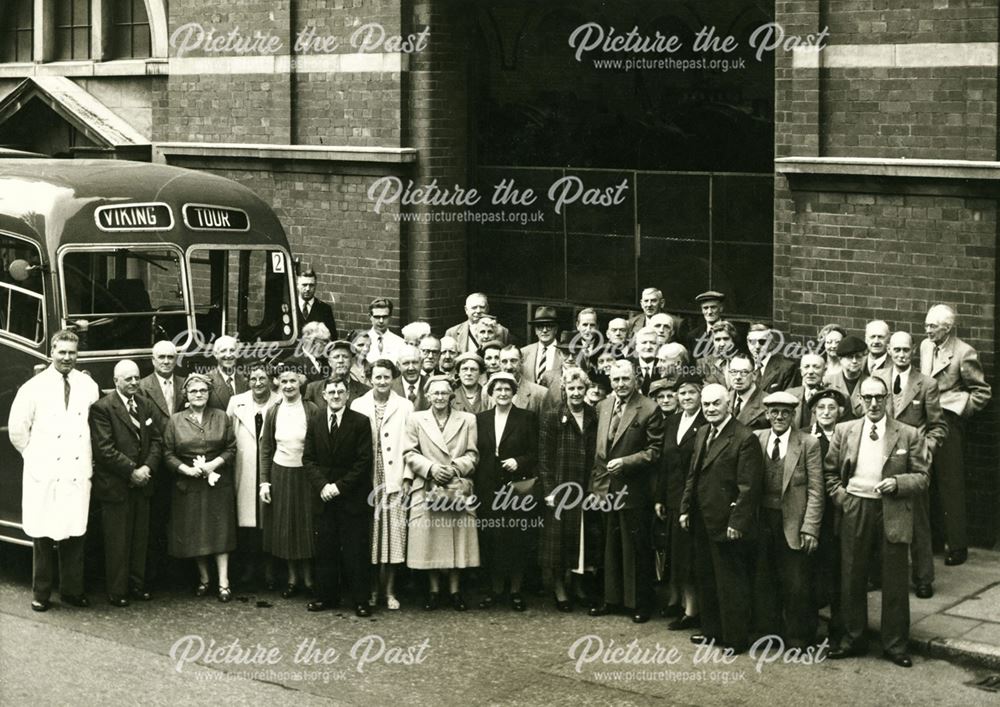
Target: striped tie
point(541, 363)
point(133, 415)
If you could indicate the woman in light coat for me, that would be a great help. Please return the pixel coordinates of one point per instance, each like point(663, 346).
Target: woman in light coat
point(441, 457)
point(246, 411)
point(387, 412)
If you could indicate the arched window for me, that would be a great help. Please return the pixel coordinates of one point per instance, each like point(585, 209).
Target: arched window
point(72, 30)
point(130, 37)
point(16, 27)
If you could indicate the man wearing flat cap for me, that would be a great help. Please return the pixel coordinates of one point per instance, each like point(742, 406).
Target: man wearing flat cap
point(541, 357)
point(791, 510)
point(340, 358)
point(852, 352)
point(699, 340)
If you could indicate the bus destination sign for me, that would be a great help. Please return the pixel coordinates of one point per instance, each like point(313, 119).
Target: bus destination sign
point(206, 217)
point(153, 216)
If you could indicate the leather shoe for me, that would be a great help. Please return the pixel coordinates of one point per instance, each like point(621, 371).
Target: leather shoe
point(900, 659)
point(702, 638)
point(672, 611)
point(487, 601)
point(140, 595)
point(432, 602)
point(640, 618)
point(840, 652)
point(290, 591)
point(600, 610)
point(80, 601)
point(517, 602)
point(362, 611)
point(319, 605)
point(956, 557)
point(40, 604)
point(684, 623)
point(564, 606)
point(118, 601)
point(457, 602)
point(924, 591)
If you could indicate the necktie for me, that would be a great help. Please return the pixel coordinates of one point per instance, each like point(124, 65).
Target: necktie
point(776, 450)
point(897, 387)
point(713, 432)
point(616, 418)
point(231, 382)
point(133, 414)
point(541, 363)
point(168, 394)
point(306, 306)
point(66, 389)
point(333, 424)
point(412, 395)
point(258, 423)
point(737, 406)
point(873, 434)
point(380, 344)
point(937, 352)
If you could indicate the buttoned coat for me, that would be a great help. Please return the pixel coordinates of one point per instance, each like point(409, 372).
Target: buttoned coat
point(241, 414)
point(637, 442)
point(120, 448)
point(919, 406)
point(959, 376)
point(391, 439)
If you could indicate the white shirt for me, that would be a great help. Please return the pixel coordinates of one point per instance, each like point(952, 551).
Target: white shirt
point(125, 400)
point(499, 424)
point(302, 306)
point(339, 414)
point(721, 425)
point(685, 425)
point(876, 363)
point(904, 378)
point(782, 443)
point(392, 344)
point(744, 397)
point(549, 357)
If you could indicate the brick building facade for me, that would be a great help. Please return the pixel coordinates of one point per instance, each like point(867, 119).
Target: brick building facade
point(882, 187)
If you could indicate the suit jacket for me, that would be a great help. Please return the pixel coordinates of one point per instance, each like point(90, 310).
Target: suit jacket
point(643, 381)
point(320, 311)
point(529, 363)
point(725, 480)
point(634, 324)
point(519, 441)
point(802, 490)
point(905, 459)
point(460, 333)
point(344, 458)
point(638, 443)
point(919, 406)
point(150, 389)
point(314, 391)
point(422, 402)
point(959, 376)
point(219, 395)
point(752, 412)
point(855, 409)
point(803, 415)
point(885, 365)
point(675, 460)
point(119, 448)
point(305, 365)
point(780, 373)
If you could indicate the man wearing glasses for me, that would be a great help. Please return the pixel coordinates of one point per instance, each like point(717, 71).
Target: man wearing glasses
point(746, 406)
point(874, 470)
point(385, 344)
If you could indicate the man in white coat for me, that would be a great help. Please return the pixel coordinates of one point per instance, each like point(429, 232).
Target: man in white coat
point(49, 428)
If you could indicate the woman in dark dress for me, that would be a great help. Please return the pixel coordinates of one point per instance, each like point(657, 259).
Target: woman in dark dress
point(678, 448)
point(199, 445)
point(508, 452)
point(283, 483)
point(566, 445)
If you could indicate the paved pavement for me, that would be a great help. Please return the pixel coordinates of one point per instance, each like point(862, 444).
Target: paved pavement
point(274, 653)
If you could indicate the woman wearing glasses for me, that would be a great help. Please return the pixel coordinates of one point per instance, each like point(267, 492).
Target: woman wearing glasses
point(199, 446)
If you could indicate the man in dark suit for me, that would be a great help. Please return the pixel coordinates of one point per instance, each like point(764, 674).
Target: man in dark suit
point(311, 354)
point(629, 440)
point(411, 383)
point(338, 462)
point(812, 368)
point(964, 391)
point(747, 397)
point(790, 516)
point(127, 451)
point(644, 362)
point(651, 303)
point(721, 498)
point(339, 364)
point(476, 306)
point(774, 371)
point(541, 357)
point(699, 338)
point(914, 399)
point(874, 468)
point(226, 380)
point(164, 390)
point(310, 307)
point(877, 341)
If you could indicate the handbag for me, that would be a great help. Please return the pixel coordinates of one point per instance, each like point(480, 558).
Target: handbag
point(526, 487)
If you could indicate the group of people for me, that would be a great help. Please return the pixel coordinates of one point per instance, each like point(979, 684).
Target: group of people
point(752, 488)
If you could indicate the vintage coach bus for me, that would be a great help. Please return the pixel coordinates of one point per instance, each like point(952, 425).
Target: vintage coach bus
point(127, 254)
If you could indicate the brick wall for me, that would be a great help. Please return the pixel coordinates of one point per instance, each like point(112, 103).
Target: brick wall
point(911, 21)
point(358, 109)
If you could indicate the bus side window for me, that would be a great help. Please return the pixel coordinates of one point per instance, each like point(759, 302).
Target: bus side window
point(22, 304)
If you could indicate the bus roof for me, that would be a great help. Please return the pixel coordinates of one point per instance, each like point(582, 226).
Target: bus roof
point(56, 202)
